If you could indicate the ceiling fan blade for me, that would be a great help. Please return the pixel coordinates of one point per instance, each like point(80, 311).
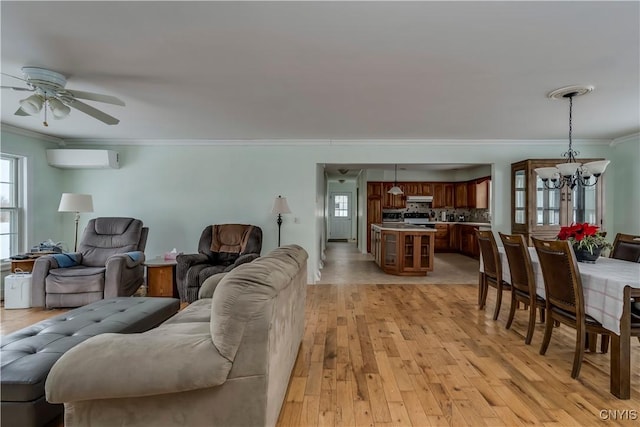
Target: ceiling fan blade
point(95, 97)
point(93, 112)
point(15, 77)
point(17, 88)
point(20, 112)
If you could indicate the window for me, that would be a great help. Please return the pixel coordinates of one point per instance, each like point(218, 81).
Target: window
point(9, 206)
point(341, 206)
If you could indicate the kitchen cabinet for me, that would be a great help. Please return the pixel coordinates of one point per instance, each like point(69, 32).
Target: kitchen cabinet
point(539, 212)
point(442, 238)
point(403, 252)
point(460, 189)
point(478, 193)
point(442, 195)
point(426, 189)
point(468, 241)
point(412, 189)
point(374, 207)
point(393, 201)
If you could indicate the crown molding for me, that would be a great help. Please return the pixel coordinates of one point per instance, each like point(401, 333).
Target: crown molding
point(633, 137)
point(468, 142)
point(79, 142)
point(195, 142)
point(31, 134)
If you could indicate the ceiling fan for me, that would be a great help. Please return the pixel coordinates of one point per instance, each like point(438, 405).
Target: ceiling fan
point(49, 88)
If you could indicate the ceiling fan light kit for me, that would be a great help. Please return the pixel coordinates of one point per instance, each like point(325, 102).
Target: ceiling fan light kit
point(49, 88)
point(31, 104)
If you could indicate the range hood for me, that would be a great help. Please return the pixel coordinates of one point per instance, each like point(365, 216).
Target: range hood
point(420, 199)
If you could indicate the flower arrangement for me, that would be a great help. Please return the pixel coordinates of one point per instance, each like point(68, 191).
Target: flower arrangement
point(584, 236)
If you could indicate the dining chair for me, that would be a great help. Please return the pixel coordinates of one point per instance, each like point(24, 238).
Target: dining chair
point(626, 247)
point(523, 284)
point(564, 296)
point(492, 266)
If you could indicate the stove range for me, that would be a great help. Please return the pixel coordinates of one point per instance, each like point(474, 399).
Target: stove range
point(419, 218)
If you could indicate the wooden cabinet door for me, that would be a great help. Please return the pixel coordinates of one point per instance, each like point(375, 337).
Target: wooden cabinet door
point(412, 189)
point(482, 194)
point(374, 215)
point(471, 194)
point(442, 238)
point(393, 201)
point(448, 196)
point(438, 196)
point(374, 189)
point(460, 195)
point(426, 189)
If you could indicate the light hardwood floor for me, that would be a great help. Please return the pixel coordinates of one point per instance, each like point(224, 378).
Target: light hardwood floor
point(410, 352)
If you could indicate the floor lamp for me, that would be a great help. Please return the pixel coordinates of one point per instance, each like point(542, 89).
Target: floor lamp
point(71, 202)
point(280, 207)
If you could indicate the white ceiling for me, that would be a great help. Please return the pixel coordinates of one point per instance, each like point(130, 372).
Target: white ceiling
point(332, 70)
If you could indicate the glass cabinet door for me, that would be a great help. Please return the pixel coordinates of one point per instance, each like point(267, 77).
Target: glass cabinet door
point(390, 249)
point(585, 202)
point(408, 242)
point(547, 205)
point(520, 197)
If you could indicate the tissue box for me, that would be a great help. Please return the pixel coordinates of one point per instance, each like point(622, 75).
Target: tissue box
point(170, 256)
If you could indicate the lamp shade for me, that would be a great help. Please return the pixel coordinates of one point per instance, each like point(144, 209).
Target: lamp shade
point(58, 109)
point(395, 190)
point(72, 202)
point(597, 168)
point(569, 168)
point(280, 206)
point(547, 173)
point(31, 104)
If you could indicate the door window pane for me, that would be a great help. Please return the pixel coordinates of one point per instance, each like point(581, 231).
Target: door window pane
point(341, 206)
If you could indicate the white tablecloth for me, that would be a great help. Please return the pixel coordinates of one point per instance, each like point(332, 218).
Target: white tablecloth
point(602, 283)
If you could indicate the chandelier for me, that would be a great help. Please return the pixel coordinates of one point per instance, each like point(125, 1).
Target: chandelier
point(572, 172)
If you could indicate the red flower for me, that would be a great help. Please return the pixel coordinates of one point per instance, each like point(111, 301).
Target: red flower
point(577, 231)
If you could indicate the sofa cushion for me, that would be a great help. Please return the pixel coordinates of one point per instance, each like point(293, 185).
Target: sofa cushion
point(243, 292)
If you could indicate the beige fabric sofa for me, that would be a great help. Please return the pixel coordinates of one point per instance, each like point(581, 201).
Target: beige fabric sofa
point(222, 361)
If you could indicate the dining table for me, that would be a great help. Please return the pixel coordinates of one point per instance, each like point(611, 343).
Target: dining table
point(608, 285)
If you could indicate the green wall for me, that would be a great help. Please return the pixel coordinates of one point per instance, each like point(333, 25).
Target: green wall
point(178, 189)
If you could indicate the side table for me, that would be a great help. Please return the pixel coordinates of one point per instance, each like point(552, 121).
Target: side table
point(161, 278)
point(25, 265)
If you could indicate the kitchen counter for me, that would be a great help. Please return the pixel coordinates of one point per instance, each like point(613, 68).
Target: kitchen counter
point(402, 226)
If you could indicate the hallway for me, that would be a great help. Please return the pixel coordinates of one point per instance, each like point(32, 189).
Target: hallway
point(344, 264)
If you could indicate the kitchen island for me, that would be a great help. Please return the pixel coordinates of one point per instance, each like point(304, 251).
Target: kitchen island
point(403, 249)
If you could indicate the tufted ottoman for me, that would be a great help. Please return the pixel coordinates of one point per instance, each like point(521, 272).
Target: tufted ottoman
point(27, 355)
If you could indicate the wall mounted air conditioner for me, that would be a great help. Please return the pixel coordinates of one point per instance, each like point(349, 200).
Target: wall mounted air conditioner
point(83, 159)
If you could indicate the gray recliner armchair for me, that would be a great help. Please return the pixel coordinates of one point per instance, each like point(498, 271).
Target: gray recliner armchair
point(221, 248)
point(109, 263)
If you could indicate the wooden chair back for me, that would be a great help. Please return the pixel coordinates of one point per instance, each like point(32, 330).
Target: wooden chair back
point(626, 247)
point(490, 256)
point(562, 282)
point(520, 267)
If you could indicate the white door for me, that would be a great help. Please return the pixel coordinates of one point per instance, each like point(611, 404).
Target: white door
point(340, 216)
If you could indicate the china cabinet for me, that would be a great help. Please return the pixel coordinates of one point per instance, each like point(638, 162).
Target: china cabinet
point(539, 212)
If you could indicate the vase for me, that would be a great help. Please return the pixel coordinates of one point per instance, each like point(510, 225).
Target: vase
point(583, 255)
